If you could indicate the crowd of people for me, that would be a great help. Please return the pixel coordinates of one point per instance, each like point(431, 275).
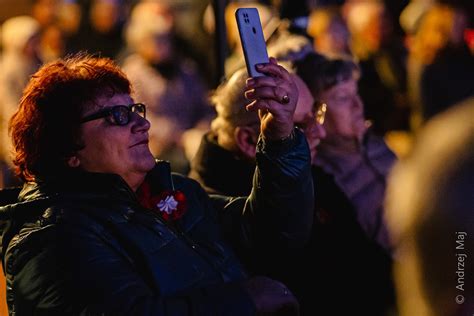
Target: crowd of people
point(131, 186)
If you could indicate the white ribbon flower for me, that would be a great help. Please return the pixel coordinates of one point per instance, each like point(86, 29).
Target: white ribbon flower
point(168, 205)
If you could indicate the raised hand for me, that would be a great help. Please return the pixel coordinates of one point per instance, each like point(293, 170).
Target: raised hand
point(274, 96)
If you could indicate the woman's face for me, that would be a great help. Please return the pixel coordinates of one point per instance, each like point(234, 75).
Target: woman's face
point(110, 148)
point(345, 111)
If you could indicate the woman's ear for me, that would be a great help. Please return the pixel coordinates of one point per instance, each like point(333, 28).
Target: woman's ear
point(246, 141)
point(73, 162)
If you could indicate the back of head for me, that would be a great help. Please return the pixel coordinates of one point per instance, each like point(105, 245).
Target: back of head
point(289, 47)
point(230, 102)
point(45, 129)
point(430, 206)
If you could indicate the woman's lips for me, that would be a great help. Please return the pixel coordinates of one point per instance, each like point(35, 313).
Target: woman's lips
point(143, 142)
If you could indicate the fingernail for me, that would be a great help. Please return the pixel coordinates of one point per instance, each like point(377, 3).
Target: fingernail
point(250, 94)
point(249, 107)
point(259, 66)
point(250, 82)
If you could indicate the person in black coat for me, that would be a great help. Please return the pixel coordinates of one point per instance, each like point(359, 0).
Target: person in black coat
point(341, 269)
point(101, 228)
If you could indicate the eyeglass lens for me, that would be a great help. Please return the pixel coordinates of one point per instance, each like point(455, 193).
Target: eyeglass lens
point(121, 114)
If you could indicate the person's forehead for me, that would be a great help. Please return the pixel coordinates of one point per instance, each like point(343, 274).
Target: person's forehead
point(104, 100)
point(346, 86)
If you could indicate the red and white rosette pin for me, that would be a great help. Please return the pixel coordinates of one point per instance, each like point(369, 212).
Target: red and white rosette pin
point(170, 204)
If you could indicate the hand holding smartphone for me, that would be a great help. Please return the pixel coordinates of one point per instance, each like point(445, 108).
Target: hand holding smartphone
point(276, 120)
point(252, 39)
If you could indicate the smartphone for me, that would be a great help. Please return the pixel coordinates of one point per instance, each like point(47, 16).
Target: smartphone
point(251, 37)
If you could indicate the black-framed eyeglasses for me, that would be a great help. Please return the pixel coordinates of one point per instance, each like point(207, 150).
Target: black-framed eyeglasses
point(118, 114)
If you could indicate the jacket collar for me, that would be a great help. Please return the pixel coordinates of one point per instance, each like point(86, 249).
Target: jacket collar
point(213, 166)
point(77, 183)
point(94, 185)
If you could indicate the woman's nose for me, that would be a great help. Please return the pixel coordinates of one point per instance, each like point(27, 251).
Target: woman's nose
point(140, 124)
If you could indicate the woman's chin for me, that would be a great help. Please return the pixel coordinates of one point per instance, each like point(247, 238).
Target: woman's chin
point(149, 162)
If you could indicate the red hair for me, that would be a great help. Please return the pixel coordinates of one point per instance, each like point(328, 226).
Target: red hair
point(45, 129)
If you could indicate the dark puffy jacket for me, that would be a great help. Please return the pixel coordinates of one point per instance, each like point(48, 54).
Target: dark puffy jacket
point(83, 244)
point(341, 271)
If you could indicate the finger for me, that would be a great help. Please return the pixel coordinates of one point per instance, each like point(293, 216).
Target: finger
point(278, 94)
point(273, 70)
point(264, 81)
point(263, 105)
point(273, 60)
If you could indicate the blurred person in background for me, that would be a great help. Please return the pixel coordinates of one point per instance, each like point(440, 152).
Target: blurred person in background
point(50, 37)
point(358, 159)
point(100, 29)
point(449, 78)
point(350, 170)
point(167, 82)
point(268, 18)
point(45, 11)
point(440, 66)
point(19, 60)
point(420, 52)
point(69, 17)
point(381, 56)
point(51, 43)
point(430, 204)
point(329, 31)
